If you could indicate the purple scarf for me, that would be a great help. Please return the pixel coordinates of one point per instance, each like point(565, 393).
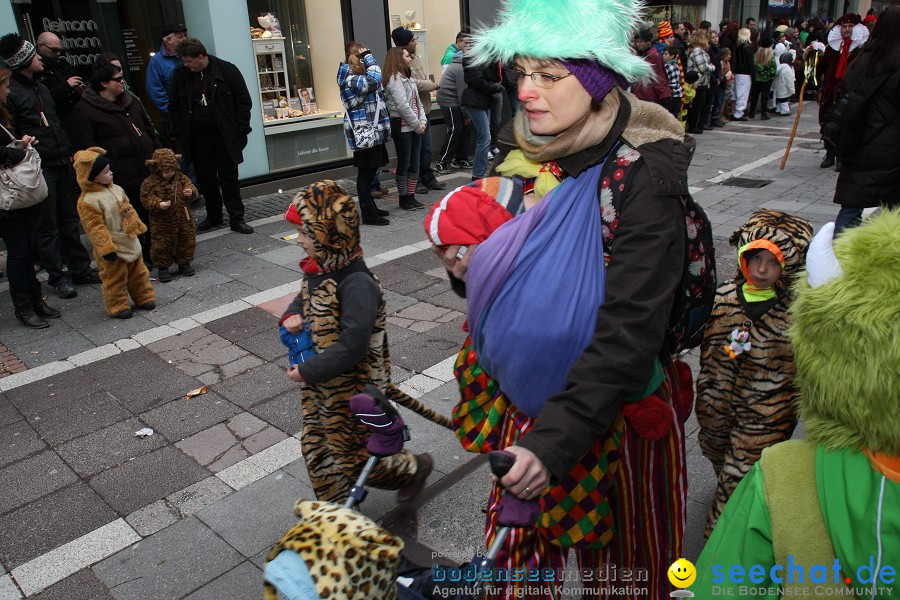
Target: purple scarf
point(534, 287)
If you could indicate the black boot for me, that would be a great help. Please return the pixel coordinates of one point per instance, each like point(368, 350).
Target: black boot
point(370, 216)
point(42, 309)
point(379, 211)
point(409, 202)
point(25, 313)
point(828, 161)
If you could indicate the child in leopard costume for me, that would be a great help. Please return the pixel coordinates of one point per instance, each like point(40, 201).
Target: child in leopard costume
point(165, 193)
point(344, 304)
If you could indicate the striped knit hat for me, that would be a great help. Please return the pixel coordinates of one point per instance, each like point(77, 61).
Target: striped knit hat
point(16, 53)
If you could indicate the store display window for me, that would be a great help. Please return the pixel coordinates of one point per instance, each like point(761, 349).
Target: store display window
point(288, 59)
point(434, 23)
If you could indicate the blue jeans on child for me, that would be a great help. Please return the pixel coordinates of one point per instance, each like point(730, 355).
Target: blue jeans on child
point(481, 121)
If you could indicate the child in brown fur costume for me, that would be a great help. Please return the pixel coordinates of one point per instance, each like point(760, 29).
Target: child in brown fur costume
point(112, 225)
point(165, 194)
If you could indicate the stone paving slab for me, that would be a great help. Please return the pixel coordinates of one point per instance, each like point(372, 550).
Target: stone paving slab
point(238, 520)
point(32, 478)
point(51, 521)
point(83, 584)
point(243, 324)
point(181, 418)
point(147, 478)
point(171, 564)
point(244, 581)
point(282, 411)
point(17, 441)
point(8, 413)
point(109, 447)
point(74, 419)
point(255, 386)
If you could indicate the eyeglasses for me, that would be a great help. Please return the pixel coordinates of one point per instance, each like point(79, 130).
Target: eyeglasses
point(120, 78)
point(542, 80)
point(52, 49)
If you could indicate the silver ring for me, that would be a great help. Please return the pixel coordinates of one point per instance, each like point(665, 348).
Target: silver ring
point(462, 252)
point(527, 491)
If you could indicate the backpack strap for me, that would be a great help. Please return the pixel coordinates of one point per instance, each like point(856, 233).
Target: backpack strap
point(792, 498)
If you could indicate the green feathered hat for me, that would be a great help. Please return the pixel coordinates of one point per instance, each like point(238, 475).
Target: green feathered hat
point(598, 30)
point(846, 336)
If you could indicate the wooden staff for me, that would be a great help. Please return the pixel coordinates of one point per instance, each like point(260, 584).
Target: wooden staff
point(796, 123)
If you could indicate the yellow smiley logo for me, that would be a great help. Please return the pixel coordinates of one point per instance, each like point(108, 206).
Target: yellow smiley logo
point(682, 573)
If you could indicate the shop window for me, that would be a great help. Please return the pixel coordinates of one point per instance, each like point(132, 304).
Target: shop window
point(297, 47)
point(435, 24)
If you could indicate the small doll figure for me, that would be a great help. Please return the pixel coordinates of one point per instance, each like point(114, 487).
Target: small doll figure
point(166, 193)
point(112, 225)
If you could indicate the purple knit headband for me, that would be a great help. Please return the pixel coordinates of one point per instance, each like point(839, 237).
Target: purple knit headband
point(596, 79)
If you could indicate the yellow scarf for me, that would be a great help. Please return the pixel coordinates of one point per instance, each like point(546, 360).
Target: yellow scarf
point(517, 164)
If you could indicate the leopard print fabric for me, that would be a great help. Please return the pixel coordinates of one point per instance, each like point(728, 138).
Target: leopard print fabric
point(348, 556)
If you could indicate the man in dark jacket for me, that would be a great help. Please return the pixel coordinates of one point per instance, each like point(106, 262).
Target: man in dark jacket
point(59, 76)
point(482, 82)
point(658, 88)
point(33, 112)
point(210, 110)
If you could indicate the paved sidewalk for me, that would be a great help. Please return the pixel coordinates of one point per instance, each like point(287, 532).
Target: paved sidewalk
point(90, 510)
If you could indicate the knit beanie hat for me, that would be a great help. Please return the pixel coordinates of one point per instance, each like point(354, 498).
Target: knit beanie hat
point(401, 36)
point(644, 34)
point(16, 53)
point(99, 164)
point(665, 30)
point(541, 30)
point(596, 79)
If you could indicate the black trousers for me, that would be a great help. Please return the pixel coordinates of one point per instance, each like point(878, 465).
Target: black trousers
point(364, 177)
point(696, 110)
point(17, 235)
point(456, 139)
point(759, 90)
point(217, 177)
point(57, 236)
point(134, 196)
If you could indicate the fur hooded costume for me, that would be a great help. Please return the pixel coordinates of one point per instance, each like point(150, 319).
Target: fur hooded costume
point(174, 232)
point(343, 303)
point(831, 499)
point(112, 225)
point(745, 389)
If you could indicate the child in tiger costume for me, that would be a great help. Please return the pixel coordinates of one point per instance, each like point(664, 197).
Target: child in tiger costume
point(344, 304)
point(745, 390)
point(166, 193)
point(113, 226)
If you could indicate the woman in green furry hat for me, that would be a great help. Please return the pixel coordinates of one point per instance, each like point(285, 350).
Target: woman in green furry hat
point(574, 61)
point(828, 505)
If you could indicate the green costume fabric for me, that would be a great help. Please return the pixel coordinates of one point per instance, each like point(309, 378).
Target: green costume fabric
point(744, 534)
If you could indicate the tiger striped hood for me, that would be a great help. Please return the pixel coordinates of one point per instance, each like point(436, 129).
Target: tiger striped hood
point(790, 233)
point(332, 222)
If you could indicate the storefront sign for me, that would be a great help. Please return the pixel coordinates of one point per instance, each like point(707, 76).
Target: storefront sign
point(77, 36)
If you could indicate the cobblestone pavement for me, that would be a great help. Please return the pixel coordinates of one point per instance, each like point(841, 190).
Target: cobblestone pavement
point(90, 510)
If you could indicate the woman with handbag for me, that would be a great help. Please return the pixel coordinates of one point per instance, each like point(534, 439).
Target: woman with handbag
point(407, 123)
point(569, 364)
point(16, 226)
point(366, 124)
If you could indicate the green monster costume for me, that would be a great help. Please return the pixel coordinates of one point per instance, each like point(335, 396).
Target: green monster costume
point(835, 496)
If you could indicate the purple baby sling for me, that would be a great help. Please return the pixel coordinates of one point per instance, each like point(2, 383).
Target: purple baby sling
point(534, 287)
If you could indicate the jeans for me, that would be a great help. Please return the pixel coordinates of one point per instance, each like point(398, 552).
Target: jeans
point(481, 122)
point(496, 116)
point(409, 147)
point(742, 85)
point(17, 235)
point(216, 169)
point(848, 216)
point(56, 232)
point(718, 103)
point(455, 141)
point(426, 173)
point(706, 112)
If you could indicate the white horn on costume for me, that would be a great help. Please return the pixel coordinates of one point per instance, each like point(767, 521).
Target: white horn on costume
point(821, 264)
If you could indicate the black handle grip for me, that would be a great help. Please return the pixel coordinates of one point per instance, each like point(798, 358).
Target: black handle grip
point(381, 400)
point(501, 462)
